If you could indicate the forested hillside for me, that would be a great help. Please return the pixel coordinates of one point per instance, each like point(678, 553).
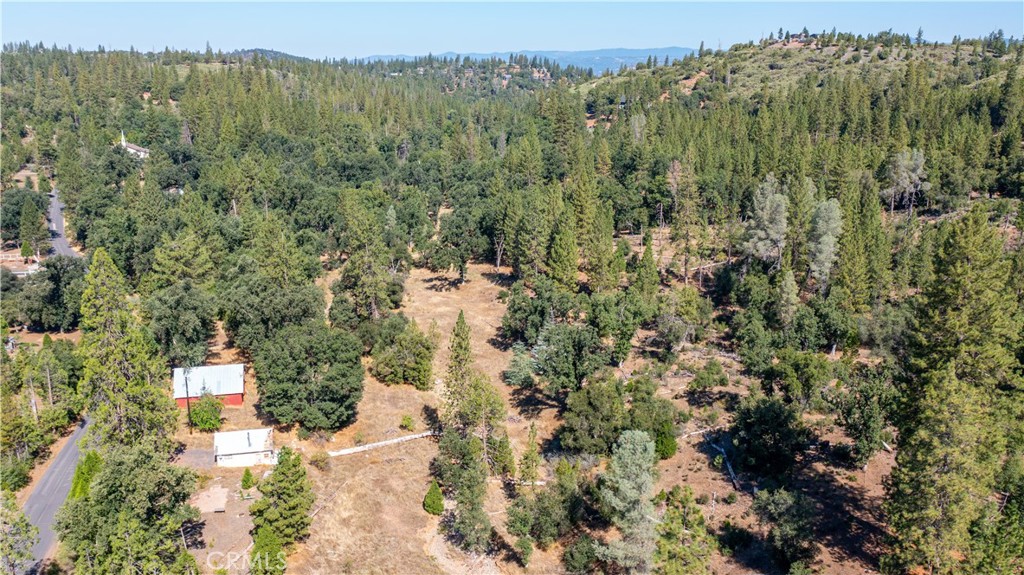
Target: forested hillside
point(758, 309)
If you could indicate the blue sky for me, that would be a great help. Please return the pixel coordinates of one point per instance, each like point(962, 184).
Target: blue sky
point(354, 30)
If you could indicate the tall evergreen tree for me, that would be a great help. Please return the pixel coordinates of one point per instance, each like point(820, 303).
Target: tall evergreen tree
point(684, 544)
point(826, 228)
point(767, 227)
point(122, 373)
point(32, 231)
point(646, 282)
point(287, 500)
point(958, 404)
point(686, 218)
point(604, 266)
point(627, 491)
point(563, 255)
point(944, 473)
point(460, 359)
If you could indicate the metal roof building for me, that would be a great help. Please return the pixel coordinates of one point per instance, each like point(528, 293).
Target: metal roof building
point(226, 382)
point(243, 448)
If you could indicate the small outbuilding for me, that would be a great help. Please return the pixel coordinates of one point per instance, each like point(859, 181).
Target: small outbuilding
point(225, 382)
point(133, 149)
point(244, 448)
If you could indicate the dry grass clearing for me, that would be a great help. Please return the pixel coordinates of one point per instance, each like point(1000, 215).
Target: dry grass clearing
point(369, 514)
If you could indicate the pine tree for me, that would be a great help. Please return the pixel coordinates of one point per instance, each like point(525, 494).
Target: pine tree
point(366, 268)
point(563, 255)
point(581, 197)
point(686, 219)
point(787, 301)
point(627, 491)
point(267, 556)
point(17, 536)
point(878, 245)
point(944, 472)
point(32, 231)
point(801, 200)
point(103, 299)
point(958, 399)
point(767, 227)
point(968, 313)
point(603, 267)
point(826, 227)
point(122, 371)
point(645, 285)
point(852, 273)
point(684, 544)
point(433, 501)
point(529, 463)
point(460, 359)
point(186, 257)
point(907, 179)
point(287, 499)
point(138, 500)
point(461, 469)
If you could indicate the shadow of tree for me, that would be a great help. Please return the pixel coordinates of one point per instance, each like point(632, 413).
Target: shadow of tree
point(850, 520)
point(431, 418)
point(441, 283)
point(499, 342)
point(192, 532)
point(531, 401)
point(709, 397)
point(746, 548)
point(499, 278)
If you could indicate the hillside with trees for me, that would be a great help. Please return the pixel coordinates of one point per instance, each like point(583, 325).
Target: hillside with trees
point(759, 309)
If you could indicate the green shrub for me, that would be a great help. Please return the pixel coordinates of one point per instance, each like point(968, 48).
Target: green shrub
point(248, 481)
point(730, 498)
point(711, 376)
point(433, 502)
point(407, 423)
point(768, 435)
point(320, 460)
point(520, 368)
point(579, 556)
point(407, 359)
point(14, 473)
point(790, 517)
point(524, 548)
point(205, 414)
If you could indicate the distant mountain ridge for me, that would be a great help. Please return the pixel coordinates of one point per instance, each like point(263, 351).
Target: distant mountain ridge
point(599, 60)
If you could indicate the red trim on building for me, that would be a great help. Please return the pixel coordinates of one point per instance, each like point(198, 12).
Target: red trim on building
point(230, 399)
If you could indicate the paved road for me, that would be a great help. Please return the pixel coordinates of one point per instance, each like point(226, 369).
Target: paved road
point(50, 493)
point(53, 487)
point(57, 240)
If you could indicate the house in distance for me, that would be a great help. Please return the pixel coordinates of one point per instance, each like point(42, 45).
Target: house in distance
point(137, 151)
point(244, 448)
point(225, 382)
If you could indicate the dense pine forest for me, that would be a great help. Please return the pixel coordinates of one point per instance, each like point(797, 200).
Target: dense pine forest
point(729, 292)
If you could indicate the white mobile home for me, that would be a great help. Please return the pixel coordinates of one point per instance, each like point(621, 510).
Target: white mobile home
point(244, 448)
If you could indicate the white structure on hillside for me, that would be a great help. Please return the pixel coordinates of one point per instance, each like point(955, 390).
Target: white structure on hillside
point(137, 151)
point(244, 448)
